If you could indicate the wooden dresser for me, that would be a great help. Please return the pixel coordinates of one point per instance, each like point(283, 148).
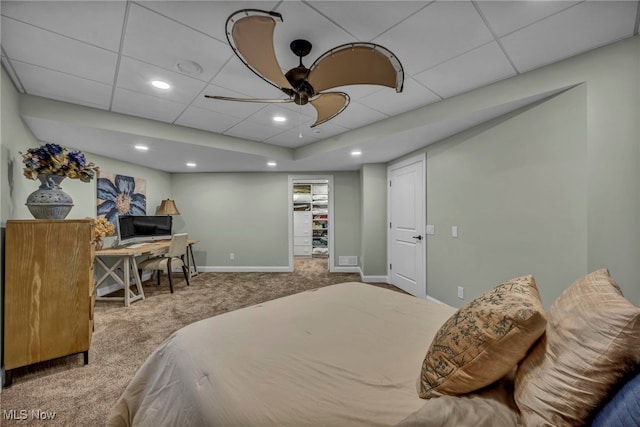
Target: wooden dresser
point(49, 291)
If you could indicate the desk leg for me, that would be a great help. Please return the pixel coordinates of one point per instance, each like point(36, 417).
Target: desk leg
point(127, 281)
point(136, 276)
point(191, 262)
point(129, 266)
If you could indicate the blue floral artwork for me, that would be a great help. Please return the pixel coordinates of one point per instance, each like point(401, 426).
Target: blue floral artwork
point(120, 195)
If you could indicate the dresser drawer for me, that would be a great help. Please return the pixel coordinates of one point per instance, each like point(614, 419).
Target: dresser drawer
point(299, 250)
point(302, 240)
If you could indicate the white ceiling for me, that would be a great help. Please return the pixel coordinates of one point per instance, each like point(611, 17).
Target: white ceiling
point(103, 54)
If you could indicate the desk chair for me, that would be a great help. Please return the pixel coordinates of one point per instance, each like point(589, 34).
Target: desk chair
point(173, 258)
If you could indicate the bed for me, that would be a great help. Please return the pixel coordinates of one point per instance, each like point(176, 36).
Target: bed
point(350, 354)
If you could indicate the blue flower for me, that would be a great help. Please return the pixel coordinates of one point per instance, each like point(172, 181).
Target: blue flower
point(53, 159)
point(78, 158)
point(120, 199)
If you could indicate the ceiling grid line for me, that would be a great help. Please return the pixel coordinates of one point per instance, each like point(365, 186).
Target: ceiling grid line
point(118, 60)
point(637, 26)
point(495, 36)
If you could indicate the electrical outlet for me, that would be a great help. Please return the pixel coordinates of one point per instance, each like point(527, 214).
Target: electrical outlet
point(232, 256)
point(460, 292)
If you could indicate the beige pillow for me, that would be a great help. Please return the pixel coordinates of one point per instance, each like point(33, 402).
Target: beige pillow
point(483, 340)
point(591, 341)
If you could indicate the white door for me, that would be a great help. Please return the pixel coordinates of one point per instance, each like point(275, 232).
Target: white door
point(406, 226)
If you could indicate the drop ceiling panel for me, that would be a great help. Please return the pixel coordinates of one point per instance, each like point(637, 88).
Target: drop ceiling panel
point(357, 115)
point(208, 17)
point(571, 32)
point(141, 105)
point(436, 34)
point(479, 67)
point(137, 76)
point(230, 108)
point(29, 44)
point(254, 131)
point(200, 118)
point(389, 102)
point(367, 20)
point(101, 22)
point(292, 139)
point(265, 117)
point(63, 86)
point(507, 16)
point(237, 77)
point(165, 43)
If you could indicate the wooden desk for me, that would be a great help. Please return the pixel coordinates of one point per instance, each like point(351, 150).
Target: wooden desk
point(125, 263)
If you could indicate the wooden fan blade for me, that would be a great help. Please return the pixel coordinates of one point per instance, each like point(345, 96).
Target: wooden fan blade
point(228, 98)
point(250, 35)
point(328, 105)
point(356, 63)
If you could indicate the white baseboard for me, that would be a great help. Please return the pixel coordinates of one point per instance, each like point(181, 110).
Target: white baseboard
point(245, 269)
point(346, 270)
point(435, 300)
point(374, 279)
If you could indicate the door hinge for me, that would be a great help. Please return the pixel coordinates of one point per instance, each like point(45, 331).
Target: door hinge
point(390, 266)
point(389, 183)
point(389, 224)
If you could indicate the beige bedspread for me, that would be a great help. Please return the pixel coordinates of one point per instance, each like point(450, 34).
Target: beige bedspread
point(342, 355)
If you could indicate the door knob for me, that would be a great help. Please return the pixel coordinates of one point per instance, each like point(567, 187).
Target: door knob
point(419, 237)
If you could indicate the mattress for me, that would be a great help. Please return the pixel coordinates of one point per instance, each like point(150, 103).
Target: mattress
point(341, 355)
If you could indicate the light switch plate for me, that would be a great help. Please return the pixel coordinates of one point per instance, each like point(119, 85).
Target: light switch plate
point(454, 231)
point(431, 229)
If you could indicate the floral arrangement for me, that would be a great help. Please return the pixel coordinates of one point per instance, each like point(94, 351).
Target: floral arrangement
point(102, 227)
point(53, 159)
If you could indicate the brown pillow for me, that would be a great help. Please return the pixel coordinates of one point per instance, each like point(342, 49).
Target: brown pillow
point(591, 341)
point(483, 340)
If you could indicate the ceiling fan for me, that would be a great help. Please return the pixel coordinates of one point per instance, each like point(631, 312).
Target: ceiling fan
point(250, 35)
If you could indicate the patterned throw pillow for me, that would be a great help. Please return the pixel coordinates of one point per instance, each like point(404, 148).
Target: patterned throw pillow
point(483, 340)
point(592, 340)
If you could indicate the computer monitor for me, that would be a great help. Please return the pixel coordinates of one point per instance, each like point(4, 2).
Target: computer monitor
point(144, 228)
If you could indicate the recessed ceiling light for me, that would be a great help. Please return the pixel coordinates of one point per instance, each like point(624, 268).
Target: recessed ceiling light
point(191, 164)
point(279, 119)
point(141, 147)
point(356, 153)
point(272, 164)
point(160, 84)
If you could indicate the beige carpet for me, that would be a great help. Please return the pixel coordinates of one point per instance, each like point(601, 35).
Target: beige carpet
point(82, 395)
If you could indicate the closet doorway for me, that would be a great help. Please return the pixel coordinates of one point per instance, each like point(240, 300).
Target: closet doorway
point(311, 227)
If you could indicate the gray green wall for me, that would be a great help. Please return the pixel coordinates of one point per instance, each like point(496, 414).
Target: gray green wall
point(551, 190)
point(373, 221)
point(247, 214)
point(516, 190)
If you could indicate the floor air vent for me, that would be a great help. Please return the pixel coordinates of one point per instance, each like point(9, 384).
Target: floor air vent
point(348, 260)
